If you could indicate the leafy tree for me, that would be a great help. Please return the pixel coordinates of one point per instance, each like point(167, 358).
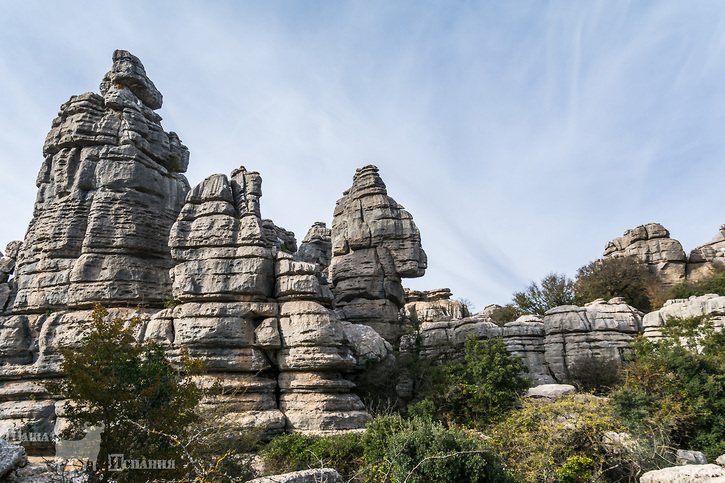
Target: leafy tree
point(505, 314)
point(626, 277)
point(556, 289)
point(678, 382)
point(482, 387)
point(133, 391)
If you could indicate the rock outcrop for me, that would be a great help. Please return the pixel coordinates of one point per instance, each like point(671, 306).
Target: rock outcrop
point(712, 305)
point(702, 258)
point(686, 474)
point(106, 158)
point(600, 330)
point(525, 338)
point(652, 244)
point(374, 244)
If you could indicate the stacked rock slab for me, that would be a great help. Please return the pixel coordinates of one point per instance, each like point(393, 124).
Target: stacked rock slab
point(374, 244)
point(600, 330)
point(524, 337)
point(106, 158)
point(256, 314)
point(7, 268)
point(711, 305)
point(108, 191)
point(652, 244)
point(702, 258)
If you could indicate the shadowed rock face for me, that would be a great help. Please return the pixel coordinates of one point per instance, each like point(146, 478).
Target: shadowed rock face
point(652, 244)
point(374, 244)
point(108, 191)
point(702, 258)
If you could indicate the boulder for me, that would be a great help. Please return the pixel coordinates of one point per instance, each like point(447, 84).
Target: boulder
point(321, 475)
point(703, 258)
point(551, 391)
point(11, 457)
point(688, 457)
point(686, 474)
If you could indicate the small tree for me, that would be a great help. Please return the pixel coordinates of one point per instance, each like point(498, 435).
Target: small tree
point(133, 392)
point(627, 277)
point(555, 290)
point(481, 388)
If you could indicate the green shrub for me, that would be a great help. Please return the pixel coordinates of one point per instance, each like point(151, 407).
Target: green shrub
point(421, 450)
point(678, 383)
point(594, 373)
point(508, 313)
point(482, 387)
point(294, 452)
point(626, 277)
point(130, 389)
point(550, 441)
point(714, 283)
point(555, 290)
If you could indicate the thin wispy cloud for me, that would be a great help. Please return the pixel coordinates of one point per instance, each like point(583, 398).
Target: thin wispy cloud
point(520, 135)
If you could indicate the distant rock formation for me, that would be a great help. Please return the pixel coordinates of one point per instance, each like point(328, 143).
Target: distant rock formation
point(652, 244)
point(702, 258)
point(374, 244)
point(712, 305)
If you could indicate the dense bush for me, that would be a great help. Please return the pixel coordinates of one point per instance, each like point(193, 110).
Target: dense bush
point(594, 373)
point(392, 450)
point(294, 452)
point(678, 383)
point(476, 390)
point(626, 277)
point(576, 438)
point(555, 290)
point(714, 283)
point(505, 314)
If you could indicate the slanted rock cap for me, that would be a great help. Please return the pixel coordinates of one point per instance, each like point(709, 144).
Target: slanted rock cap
point(128, 71)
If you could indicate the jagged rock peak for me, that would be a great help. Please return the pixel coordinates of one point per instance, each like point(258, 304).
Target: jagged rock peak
point(366, 181)
point(128, 72)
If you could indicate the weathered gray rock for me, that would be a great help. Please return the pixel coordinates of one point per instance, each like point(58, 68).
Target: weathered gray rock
point(688, 457)
point(551, 391)
point(713, 305)
point(686, 474)
point(703, 258)
point(525, 338)
point(600, 330)
point(720, 460)
point(652, 244)
point(128, 72)
point(218, 242)
point(108, 192)
point(374, 244)
point(11, 457)
point(321, 475)
point(433, 306)
point(316, 247)
point(12, 249)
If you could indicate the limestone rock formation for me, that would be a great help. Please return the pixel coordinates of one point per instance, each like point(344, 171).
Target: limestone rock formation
point(317, 475)
point(316, 247)
point(600, 329)
point(686, 474)
point(702, 258)
point(713, 305)
point(106, 158)
point(433, 306)
point(374, 244)
point(524, 337)
point(7, 268)
point(653, 245)
point(11, 457)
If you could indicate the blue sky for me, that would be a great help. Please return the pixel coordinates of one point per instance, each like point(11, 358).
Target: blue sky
point(521, 135)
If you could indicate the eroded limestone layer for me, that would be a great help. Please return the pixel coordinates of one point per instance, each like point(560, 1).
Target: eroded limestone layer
point(703, 258)
point(652, 244)
point(711, 305)
point(374, 244)
point(600, 330)
point(108, 192)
